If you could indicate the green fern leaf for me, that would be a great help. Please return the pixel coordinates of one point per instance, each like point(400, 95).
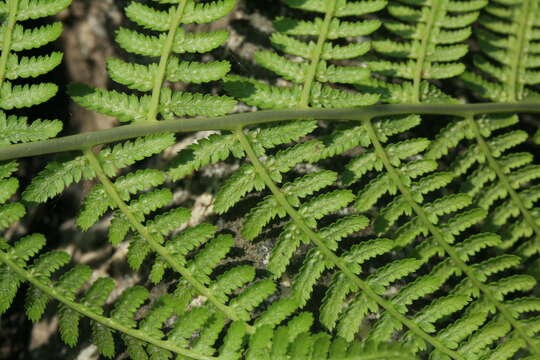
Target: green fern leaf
point(35, 9)
point(253, 296)
point(25, 96)
point(56, 177)
point(231, 348)
point(9, 285)
point(27, 39)
point(140, 77)
point(428, 272)
point(187, 104)
point(68, 321)
point(8, 188)
point(97, 201)
point(125, 107)
point(144, 205)
point(17, 129)
point(128, 303)
point(10, 213)
point(26, 67)
point(269, 208)
point(245, 179)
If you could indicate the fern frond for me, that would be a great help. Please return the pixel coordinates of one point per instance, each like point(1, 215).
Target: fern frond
point(10, 212)
point(15, 129)
point(139, 77)
point(390, 158)
point(134, 215)
point(427, 44)
point(219, 147)
point(507, 61)
point(123, 106)
point(35, 9)
point(192, 335)
point(21, 96)
point(27, 39)
point(393, 244)
point(187, 104)
point(292, 236)
point(501, 174)
point(172, 40)
point(268, 209)
point(246, 180)
point(25, 67)
point(309, 77)
point(15, 95)
point(58, 175)
point(505, 35)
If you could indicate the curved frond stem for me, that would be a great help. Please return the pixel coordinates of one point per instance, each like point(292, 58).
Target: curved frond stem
point(6, 44)
point(329, 254)
point(163, 61)
point(143, 231)
point(517, 58)
point(317, 54)
point(439, 238)
point(103, 320)
point(231, 122)
point(503, 178)
point(426, 40)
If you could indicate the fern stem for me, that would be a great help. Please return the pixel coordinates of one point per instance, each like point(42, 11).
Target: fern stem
point(163, 61)
point(518, 55)
point(316, 55)
point(329, 255)
point(437, 6)
point(439, 238)
point(81, 309)
point(141, 229)
point(503, 178)
point(232, 122)
point(6, 44)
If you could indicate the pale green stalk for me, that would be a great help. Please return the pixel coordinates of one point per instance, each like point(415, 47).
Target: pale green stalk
point(8, 34)
point(426, 39)
point(232, 122)
point(317, 54)
point(517, 53)
point(164, 60)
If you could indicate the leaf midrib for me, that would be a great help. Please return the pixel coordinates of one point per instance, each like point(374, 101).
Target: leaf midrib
point(164, 60)
point(8, 37)
point(517, 53)
point(317, 55)
point(426, 41)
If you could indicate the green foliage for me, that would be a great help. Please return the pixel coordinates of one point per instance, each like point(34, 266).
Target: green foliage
point(311, 77)
point(386, 236)
point(496, 174)
point(16, 92)
point(149, 77)
point(508, 56)
point(196, 327)
point(14, 67)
